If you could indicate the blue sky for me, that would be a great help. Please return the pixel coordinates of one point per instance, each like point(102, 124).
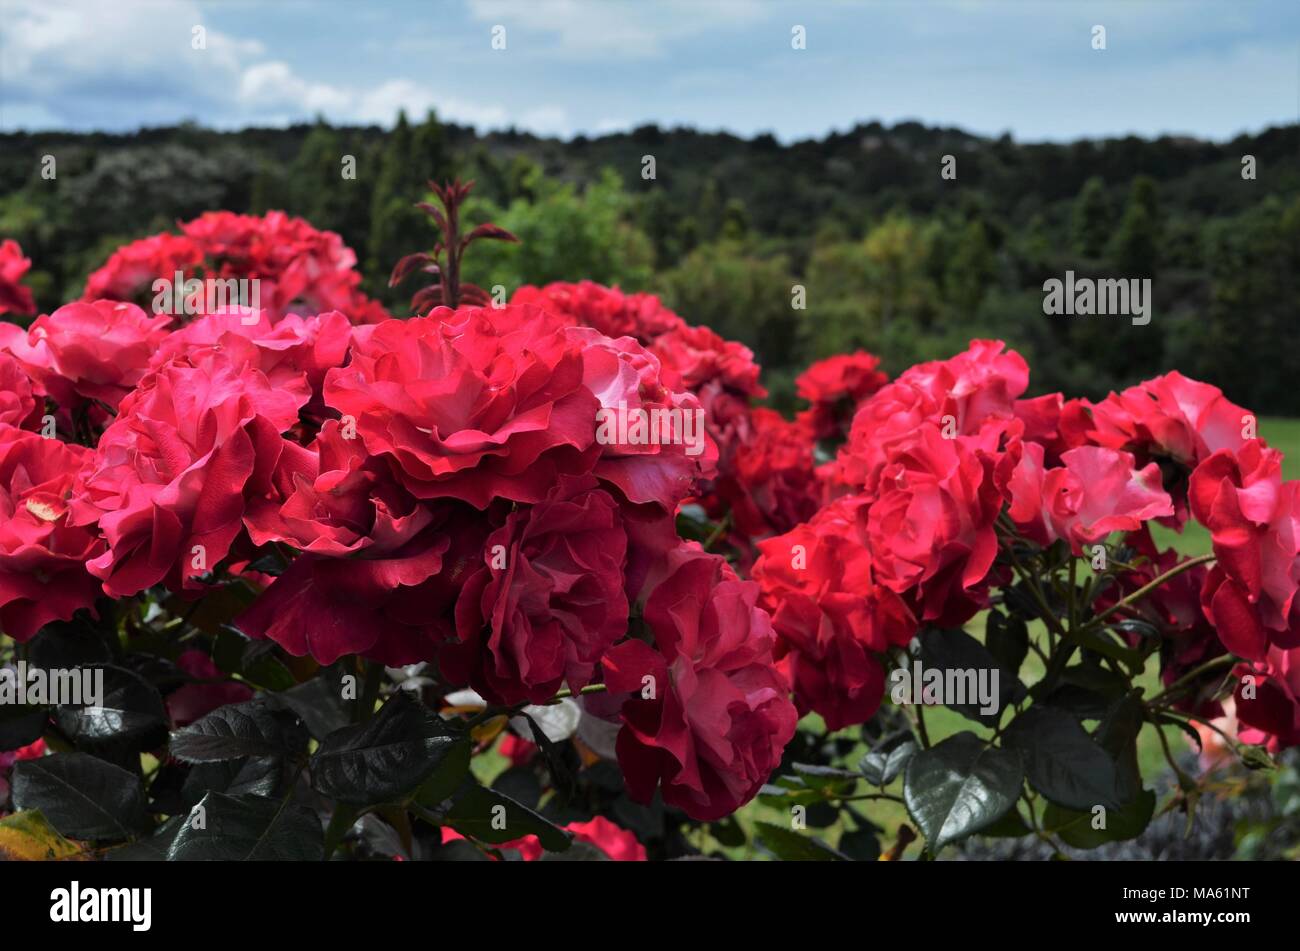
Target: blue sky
point(1209, 69)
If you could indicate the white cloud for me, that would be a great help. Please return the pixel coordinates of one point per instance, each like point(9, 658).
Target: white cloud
point(87, 65)
point(617, 29)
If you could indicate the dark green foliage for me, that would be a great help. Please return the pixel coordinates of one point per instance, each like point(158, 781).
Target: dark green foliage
point(893, 258)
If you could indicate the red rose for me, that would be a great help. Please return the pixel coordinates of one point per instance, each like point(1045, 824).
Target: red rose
point(708, 715)
point(852, 375)
point(959, 394)
point(830, 614)
point(1254, 521)
point(835, 386)
point(169, 481)
point(888, 420)
point(379, 571)
point(17, 400)
point(1170, 416)
point(43, 575)
point(700, 357)
point(619, 844)
point(654, 442)
point(474, 404)
point(13, 296)
point(1093, 493)
point(931, 528)
point(300, 270)
point(773, 483)
point(129, 273)
point(97, 351)
point(606, 309)
point(1268, 700)
point(294, 349)
point(548, 601)
point(1055, 423)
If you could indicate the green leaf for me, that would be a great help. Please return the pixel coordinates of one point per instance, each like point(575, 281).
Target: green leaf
point(823, 777)
point(1076, 828)
point(881, 768)
point(960, 787)
point(1103, 643)
point(237, 731)
point(319, 702)
point(577, 852)
point(386, 757)
point(248, 829)
point(861, 845)
point(449, 774)
point(1087, 691)
point(491, 816)
point(792, 846)
point(1062, 761)
point(967, 659)
point(28, 837)
point(563, 779)
point(21, 725)
point(131, 714)
point(727, 832)
point(787, 791)
point(63, 645)
point(1117, 734)
point(82, 796)
point(1010, 826)
point(1007, 639)
point(253, 776)
point(152, 848)
point(255, 661)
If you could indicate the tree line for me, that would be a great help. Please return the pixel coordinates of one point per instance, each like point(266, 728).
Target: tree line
point(891, 255)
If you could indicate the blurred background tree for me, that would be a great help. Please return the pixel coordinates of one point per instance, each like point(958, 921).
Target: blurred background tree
point(891, 257)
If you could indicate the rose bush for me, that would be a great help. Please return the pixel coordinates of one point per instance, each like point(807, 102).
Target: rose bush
point(499, 578)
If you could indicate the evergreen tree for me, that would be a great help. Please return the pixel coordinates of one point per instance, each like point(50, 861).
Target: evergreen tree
point(315, 177)
point(1092, 219)
point(1137, 242)
point(431, 158)
point(971, 269)
point(396, 226)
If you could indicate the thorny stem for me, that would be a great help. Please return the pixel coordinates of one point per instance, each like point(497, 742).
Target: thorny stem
point(1150, 586)
point(1184, 781)
point(1226, 660)
point(920, 725)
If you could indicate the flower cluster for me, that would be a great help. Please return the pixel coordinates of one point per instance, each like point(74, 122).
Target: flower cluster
point(948, 470)
point(766, 478)
point(301, 270)
point(487, 498)
point(429, 490)
point(14, 298)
